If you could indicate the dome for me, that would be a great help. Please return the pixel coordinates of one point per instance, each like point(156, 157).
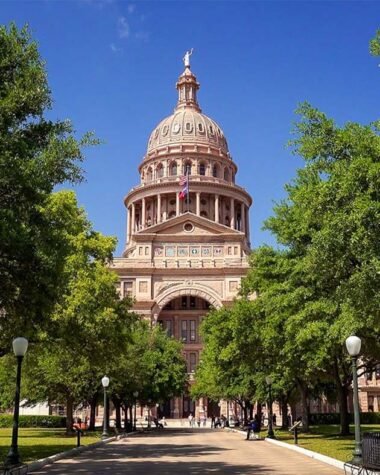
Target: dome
point(188, 126)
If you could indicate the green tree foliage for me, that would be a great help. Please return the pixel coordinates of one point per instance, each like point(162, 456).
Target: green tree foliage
point(322, 285)
point(374, 44)
point(36, 154)
point(151, 364)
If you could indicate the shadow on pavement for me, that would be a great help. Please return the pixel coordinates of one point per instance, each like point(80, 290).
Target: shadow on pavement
point(98, 467)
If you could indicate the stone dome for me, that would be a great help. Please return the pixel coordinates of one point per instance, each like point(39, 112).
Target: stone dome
point(188, 126)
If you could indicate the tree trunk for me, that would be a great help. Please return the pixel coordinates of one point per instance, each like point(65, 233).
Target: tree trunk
point(117, 405)
point(125, 408)
point(284, 412)
point(342, 390)
point(304, 404)
point(93, 401)
point(131, 414)
point(343, 408)
point(259, 411)
point(69, 415)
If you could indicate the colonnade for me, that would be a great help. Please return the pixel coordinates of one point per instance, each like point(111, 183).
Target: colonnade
point(155, 209)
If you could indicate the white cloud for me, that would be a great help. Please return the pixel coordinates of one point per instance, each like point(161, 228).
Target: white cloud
point(123, 27)
point(131, 8)
point(114, 48)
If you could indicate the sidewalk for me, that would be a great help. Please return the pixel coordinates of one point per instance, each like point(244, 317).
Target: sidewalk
point(189, 451)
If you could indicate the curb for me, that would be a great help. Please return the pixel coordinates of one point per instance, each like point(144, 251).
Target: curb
point(309, 453)
point(73, 452)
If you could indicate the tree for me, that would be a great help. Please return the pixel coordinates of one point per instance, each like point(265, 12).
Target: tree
point(36, 154)
point(88, 326)
point(152, 364)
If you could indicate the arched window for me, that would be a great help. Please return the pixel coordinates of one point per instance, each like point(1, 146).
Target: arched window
point(159, 171)
point(187, 168)
point(226, 174)
point(215, 171)
point(149, 174)
point(173, 169)
point(202, 169)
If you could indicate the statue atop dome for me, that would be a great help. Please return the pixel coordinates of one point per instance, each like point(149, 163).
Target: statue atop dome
point(186, 58)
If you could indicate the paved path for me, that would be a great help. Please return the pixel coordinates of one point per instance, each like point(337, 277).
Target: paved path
point(186, 451)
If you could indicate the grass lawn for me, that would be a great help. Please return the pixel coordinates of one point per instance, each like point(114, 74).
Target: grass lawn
point(35, 444)
point(326, 440)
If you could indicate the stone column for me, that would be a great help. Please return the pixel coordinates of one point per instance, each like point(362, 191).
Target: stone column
point(128, 224)
point(165, 206)
point(242, 212)
point(232, 213)
point(133, 224)
point(198, 206)
point(159, 208)
point(217, 208)
point(143, 214)
point(248, 230)
point(177, 204)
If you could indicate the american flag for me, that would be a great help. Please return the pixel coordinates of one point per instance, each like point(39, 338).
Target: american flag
point(184, 182)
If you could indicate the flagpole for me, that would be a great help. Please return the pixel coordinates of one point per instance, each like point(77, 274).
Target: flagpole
point(188, 192)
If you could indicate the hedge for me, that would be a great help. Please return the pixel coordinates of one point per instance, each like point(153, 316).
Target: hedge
point(334, 418)
point(6, 420)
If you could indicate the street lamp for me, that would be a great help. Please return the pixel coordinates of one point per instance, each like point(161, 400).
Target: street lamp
point(105, 383)
point(269, 382)
point(353, 345)
point(20, 345)
point(135, 395)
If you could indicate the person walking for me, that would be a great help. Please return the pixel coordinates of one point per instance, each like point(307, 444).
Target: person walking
point(190, 420)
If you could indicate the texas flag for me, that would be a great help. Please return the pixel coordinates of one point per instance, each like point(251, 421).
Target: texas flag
point(184, 182)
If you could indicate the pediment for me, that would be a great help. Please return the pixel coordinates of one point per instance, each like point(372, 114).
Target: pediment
point(189, 224)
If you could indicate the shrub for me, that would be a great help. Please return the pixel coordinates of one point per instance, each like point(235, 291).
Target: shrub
point(334, 418)
point(6, 420)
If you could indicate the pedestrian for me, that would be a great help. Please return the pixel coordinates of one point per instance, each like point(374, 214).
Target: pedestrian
point(213, 422)
point(190, 420)
point(274, 419)
point(199, 421)
point(249, 429)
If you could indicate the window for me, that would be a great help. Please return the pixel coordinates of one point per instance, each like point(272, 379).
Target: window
point(173, 169)
point(184, 330)
point(149, 174)
point(187, 168)
point(202, 169)
point(226, 174)
point(159, 171)
point(193, 333)
point(128, 289)
point(215, 171)
point(167, 326)
point(172, 214)
point(227, 221)
point(192, 362)
point(192, 302)
point(377, 371)
point(203, 214)
point(201, 128)
point(184, 302)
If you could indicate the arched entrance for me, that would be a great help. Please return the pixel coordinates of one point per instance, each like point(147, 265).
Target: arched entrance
point(181, 317)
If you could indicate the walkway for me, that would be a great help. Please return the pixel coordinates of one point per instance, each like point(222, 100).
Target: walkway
point(186, 451)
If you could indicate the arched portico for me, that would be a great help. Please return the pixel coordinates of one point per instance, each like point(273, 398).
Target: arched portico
point(187, 288)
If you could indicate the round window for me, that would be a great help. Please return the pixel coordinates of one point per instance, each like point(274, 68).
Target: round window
point(188, 227)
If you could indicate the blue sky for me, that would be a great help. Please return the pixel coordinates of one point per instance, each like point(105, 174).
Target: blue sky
point(113, 64)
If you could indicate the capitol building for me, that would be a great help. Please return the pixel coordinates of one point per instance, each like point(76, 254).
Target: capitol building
point(183, 256)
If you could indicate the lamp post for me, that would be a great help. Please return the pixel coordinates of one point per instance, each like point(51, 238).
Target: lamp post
point(270, 435)
point(105, 383)
point(135, 395)
point(353, 345)
point(20, 345)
